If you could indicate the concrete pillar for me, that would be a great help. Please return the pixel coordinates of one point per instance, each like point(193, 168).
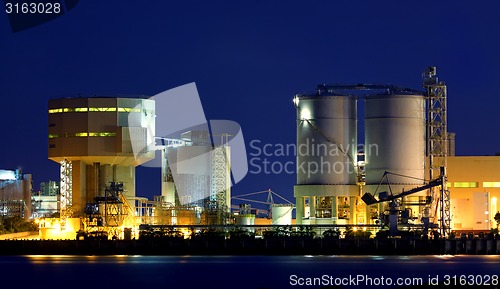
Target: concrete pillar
point(92, 182)
point(79, 185)
point(104, 180)
point(381, 208)
point(368, 216)
point(312, 206)
point(352, 210)
point(26, 194)
point(126, 175)
point(299, 210)
point(334, 209)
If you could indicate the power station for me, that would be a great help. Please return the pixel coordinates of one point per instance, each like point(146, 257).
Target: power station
point(367, 155)
point(394, 137)
point(99, 141)
point(403, 161)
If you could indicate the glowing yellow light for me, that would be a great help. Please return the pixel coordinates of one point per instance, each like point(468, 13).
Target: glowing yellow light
point(102, 134)
point(305, 114)
point(444, 256)
point(491, 184)
point(465, 184)
point(355, 229)
point(296, 100)
point(68, 109)
point(128, 109)
point(102, 109)
point(364, 229)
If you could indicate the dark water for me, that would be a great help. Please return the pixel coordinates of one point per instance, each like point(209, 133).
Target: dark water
point(243, 272)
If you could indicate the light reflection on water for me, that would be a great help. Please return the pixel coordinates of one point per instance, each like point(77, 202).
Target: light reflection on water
point(247, 272)
point(435, 260)
point(77, 259)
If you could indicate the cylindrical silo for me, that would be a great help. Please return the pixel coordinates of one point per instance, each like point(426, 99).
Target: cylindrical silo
point(246, 220)
point(326, 140)
point(326, 157)
point(395, 139)
point(281, 214)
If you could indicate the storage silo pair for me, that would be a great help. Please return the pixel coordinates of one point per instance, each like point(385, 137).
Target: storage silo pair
point(329, 175)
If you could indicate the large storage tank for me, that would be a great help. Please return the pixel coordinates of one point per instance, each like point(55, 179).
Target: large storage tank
point(326, 129)
point(395, 138)
point(281, 214)
point(245, 216)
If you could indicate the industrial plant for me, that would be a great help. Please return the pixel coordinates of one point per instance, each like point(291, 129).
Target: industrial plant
point(15, 194)
point(403, 176)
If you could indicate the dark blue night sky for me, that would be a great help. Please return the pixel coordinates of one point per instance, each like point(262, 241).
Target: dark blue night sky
point(248, 59)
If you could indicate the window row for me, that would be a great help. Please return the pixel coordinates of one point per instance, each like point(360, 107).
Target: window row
point(476, 184)
point(82, 134)
point(94, 109)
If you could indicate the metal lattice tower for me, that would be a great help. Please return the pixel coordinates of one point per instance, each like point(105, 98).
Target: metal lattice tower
point(113, 211)
point(66, 187)
point(437, 150)
point(220, 176)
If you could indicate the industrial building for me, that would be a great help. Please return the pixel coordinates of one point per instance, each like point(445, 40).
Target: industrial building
point(99, 141)
point(15, 194)
point(91, 139)
point(474, 184)
point(394, 142)
point(407, 160)
point(45, 203)
point(196, 182)
point(404, 174)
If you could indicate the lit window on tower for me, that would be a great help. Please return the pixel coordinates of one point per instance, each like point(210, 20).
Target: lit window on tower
point(491, 184)
point(465, 184)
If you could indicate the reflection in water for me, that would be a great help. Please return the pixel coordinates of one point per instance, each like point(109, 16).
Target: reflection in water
point(242, 272)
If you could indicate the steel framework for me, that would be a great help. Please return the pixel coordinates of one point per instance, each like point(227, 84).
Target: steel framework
point(110, 211)
point(269, 202)
point(220, 181)
point(66, 187)
point(437, 151)
point(217, 185)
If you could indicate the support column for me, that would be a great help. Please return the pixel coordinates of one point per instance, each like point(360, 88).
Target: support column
point(312, 207)
point(334, 210)
point(299, 210)
point(381, 208)
point(352, 210)
point(368, 216)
